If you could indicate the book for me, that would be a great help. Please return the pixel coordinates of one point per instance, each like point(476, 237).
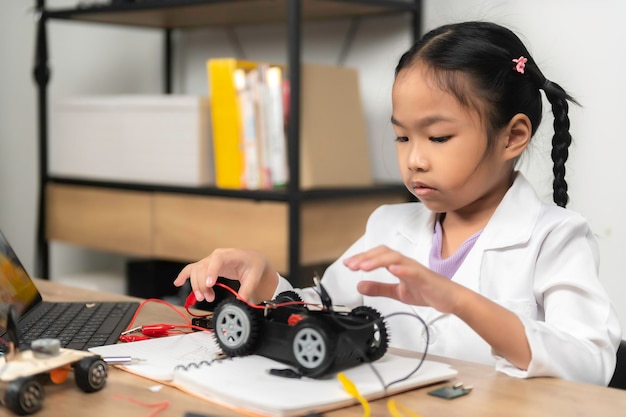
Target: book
point(277, 141)
point(259, 95)
point(226, 121)
point(246, 85)
point(249, 142)
point(190, 363)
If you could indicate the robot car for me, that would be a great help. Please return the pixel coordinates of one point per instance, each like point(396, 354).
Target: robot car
point(315, 339)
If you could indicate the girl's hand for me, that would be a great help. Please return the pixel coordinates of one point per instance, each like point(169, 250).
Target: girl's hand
point(257, 277)
point(418, 285)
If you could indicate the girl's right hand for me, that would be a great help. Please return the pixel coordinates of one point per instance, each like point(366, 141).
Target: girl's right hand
point(257, 277)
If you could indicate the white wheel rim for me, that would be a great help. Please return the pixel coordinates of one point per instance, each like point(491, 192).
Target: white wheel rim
point(309, 348)
point(233, 326)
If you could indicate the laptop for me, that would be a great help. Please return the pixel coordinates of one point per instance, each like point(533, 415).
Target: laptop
point(77, 325)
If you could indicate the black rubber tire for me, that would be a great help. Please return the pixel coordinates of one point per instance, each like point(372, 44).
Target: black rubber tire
point(287, 296)
point(90, 374)
point(236, 326)
point(24, 396)
point(377, 346)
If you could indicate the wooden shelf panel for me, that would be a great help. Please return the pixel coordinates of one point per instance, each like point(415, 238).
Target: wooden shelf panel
point(191, 227)
point(111, 220)
point(198, 13)
point(188, 227)
point(329, 227)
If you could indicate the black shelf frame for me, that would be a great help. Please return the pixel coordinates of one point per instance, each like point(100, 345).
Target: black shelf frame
point(280, 195)
point(156, 14)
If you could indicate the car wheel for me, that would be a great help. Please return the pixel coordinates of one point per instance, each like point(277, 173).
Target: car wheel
point(24, 396)
point(236, 327)
point(312, 347)
point(287, 296)
point(377, 345)
point(91, 373)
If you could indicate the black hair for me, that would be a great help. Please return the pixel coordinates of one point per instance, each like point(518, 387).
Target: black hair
point(483, 53)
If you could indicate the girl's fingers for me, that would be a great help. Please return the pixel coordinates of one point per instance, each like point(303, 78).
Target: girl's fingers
point(243, 265)
point(377, 289)
point(379, 257)
point(182, 276)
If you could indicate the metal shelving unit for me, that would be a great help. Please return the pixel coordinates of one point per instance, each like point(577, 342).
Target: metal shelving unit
point(169, 15)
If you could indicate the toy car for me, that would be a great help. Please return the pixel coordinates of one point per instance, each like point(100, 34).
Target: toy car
point(313, 339)
point(22, 373)
point(21, 377)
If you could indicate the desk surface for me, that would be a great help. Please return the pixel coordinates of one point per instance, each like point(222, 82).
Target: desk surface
point(494, 394)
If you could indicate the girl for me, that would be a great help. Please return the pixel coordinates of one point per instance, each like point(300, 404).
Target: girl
point(499, 276)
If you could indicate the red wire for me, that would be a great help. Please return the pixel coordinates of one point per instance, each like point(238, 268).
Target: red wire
point(168, 329)
point(156, 300)
point(187, 324)
point(263, 306)
point(159, 407)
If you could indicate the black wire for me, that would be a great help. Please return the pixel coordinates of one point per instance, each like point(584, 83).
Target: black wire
point(365, 359)
point(422, 359)
point(371, 365)
point(381, 322)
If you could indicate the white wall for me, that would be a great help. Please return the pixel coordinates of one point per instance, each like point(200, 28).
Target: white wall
point(578, 43)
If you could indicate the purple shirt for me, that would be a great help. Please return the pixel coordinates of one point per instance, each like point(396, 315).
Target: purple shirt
point(448, 267)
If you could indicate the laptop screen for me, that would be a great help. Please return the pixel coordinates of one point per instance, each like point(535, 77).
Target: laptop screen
point(16, 287)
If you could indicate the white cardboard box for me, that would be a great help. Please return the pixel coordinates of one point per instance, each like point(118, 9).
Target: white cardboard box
point(137, 139)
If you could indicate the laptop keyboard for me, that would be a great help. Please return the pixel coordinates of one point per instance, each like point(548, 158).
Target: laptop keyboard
point(77, 325)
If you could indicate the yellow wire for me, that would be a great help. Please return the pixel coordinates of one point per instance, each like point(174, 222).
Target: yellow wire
point(398, 410)
point(352, 390)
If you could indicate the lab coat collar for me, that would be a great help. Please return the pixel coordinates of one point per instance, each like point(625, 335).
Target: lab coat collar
point(517, 213)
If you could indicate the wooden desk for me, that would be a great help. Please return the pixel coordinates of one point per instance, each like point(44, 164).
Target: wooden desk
point(494, 394)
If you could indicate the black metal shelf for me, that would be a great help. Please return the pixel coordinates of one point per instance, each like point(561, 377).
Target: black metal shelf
point(168, 15)
point(177, 14)
point(258, 195)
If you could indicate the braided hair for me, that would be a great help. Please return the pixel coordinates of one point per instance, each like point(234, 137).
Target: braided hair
point(484, 54)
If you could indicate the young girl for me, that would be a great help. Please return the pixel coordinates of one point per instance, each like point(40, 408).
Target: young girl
point(498, 276)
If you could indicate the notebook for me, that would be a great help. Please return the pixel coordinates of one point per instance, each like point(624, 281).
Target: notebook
point(77, 325)
point(192, 363)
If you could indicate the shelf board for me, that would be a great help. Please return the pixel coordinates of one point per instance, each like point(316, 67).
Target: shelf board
point(172, 14)
point(260, 195)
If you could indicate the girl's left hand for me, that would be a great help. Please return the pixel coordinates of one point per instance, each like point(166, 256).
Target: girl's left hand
point(418, 285)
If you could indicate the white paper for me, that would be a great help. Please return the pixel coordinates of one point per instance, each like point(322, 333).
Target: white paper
point(244, 383)
point(160, 356)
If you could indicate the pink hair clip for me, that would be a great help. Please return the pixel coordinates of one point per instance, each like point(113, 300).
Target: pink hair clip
point(520, 64)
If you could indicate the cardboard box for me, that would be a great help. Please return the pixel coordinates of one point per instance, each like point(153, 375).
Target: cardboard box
point(334, 150)
point(160, 139)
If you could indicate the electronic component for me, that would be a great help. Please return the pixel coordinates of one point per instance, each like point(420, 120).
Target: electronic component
point(204, 322)
point(451, 392)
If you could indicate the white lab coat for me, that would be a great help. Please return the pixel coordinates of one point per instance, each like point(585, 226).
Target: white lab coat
point(538, 260)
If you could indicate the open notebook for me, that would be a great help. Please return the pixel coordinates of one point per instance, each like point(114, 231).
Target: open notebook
point(77, 325)
point(244, 383)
